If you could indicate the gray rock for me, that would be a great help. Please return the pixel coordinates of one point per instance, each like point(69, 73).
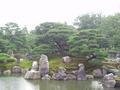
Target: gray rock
point(97, 73)
point(89, 76)
point(81, 75)
point(35, 65)
point(24, 71)
point(16, 69)
point(117, 84)
point(115, 71)
point(46, 77)
point(110, 70)
point(32, 75)
point(7, 72)
point(74, 72)
point(109, 81)
point(104, 72)
point(70, 77)
point(43, 65)
point(66, 59)
point(60, 75)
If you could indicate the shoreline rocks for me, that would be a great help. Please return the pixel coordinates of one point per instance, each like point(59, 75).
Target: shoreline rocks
point(89, 77)
point(7, 72)
point(97, 73)
point(40, 71)
point(32, 75)
point(16, 70)
point(35, 65)
point(43, 65)
point(60, 75)
point(81, 74)
point(70, 77)
point(109, 81)
point(46, 77)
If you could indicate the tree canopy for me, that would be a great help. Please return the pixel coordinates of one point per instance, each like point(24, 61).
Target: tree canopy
point(94, 34)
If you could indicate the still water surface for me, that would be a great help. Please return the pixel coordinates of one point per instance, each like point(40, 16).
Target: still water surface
point(19, 83)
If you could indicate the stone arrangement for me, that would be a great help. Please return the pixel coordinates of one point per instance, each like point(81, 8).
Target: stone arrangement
point(109, 81)
point(40, 70)
point(43, 65)
point(33, 73)
point(16, 69)
point(81, 75)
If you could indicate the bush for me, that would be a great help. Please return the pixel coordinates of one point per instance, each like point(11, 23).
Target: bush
point(55, 63)
point(25, 64)
point(4, 58)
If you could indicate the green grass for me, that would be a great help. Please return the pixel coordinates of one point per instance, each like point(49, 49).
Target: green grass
point(25, 64)
point(55, 63)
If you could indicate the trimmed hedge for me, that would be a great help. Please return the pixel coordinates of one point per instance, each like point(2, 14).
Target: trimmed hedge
point(5, 58)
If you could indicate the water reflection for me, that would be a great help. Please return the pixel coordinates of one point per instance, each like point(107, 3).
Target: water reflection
point(15, 83)
point(19, 83)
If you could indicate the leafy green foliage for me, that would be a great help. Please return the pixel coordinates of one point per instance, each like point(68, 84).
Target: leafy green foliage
point(94, 34)
point(54, 39)
point(26, 64)
point(88, 21)
point(55, 63)
point(5, 58)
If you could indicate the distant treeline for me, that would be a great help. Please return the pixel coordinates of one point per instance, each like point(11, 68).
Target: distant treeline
point(91, 33)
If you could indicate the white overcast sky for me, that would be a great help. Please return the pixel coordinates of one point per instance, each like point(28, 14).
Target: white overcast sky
point(33, 12)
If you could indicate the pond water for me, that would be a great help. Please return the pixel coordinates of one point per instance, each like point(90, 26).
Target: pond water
point(19, 83)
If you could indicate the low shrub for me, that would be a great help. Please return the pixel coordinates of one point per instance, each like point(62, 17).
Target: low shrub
point(25, 64)
point(5, 58)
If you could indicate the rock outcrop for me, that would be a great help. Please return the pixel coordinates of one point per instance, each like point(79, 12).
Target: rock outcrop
point(40, 71)
point(89, 76)
point(43, 65)
point(32, 75)
point(35, 65)
point(81, 75)
point(109, 81)
point(97, 73)
point(70, 77)
point(16, 69)
point(7, 72)
point(46, 77)
point(60, 75)
point(66, 59)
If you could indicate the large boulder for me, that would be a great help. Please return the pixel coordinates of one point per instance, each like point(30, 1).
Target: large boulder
point(16, 69)
point(81, 75)
point(24, 71)
point(32, 75)
point(117, 84)
point(66, 59)
point(7, 72)
point(97, 73)
point(109, 80)
point(60, 75)
point(43, 65)
point(35, 65)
